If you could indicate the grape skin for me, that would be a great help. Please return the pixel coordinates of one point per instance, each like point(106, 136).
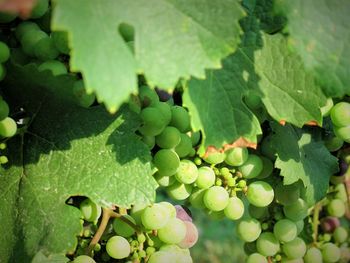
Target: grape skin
point(336, 208)
point(180, 118)
point(249, 229)
point(191, 237)
point(83, 259)
point(252, 167)
point(267, 244)
point(173, 232)
point(256, 258)
point(187, 172)
point(167, 161)
point(185, 146)
point(236, 156)
point(118, 247)
point(313, 255)
point(234, 209)
point(330, 252)
point(260, 194)
point(285, 230)
point(216, 198)
point(287, 194)
point(90, 211)
point(155, 217)
point(206, 177)
point(340, 234)
point(296, 211)
point(4, 109)
point(295, 249)
point(179, 191)
point(168, 138)
point(340, 114)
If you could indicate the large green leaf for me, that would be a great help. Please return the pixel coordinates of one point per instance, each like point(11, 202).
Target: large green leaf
point(320, 33)
point(173, 39)
point(67, 151)
point(300, 156)
point(288, 92)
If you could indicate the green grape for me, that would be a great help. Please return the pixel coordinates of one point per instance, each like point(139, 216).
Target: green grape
point(54, 66)
point(179, 191)
point(258, 212)
point(340, 234)
point(4, 109)
point(122, 228)
point(84, 259)
point(260, 193)
point(163, 180)
point(216, 198)
point(252, 167)
point(45, 49)
point(215, 157)
point(150, 141)
point(180, 118)
point(171, 210)
point(60, 39)
point(83, 99)
point(287, 194)
point(173, 232)
point(191, 237)
point(167, 162)
point(313, 255)
point(6, 17)
point(2, 72)
point(249, 229)
point(187, 172)
point(206, 177)
point(153, 121)
point(91, 211)
point(195, 137)
point(118, 247)
point(334, 143)
point(340, 114)
point(341, 193)
point(164, 109)
point(4, 52)
point(30, 39)
point(196, 198)
point(253, 100)
point(293, 260)
point(8, 127)
point(137, 211)
point(294, 249)
point(162, 257)
point(215, 215)
point(296, 211)
point(169, 138)
point(330, 252)
point(155, 217)
point(326, 109)
point(24, 27)
point(236, 156)
point(181, 255)
point(250, 248)
point(285, 230)
point(256, 258)
point(3, 160)
point(300, 226)
point(148, 96)
point(184, 147)
point(40, 8)
point(267, 168)
point(343, 133)
point(234, 209)
point(267, 244)
point(335, 207)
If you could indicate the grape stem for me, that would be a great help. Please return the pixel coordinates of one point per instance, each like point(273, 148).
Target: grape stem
point(316, 221)
point(107, 214)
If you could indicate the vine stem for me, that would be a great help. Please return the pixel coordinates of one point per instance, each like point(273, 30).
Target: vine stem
point(107, 214)
point(316, 221)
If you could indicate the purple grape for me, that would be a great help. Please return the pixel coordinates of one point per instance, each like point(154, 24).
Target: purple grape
point(182, 214)
point(330, 223)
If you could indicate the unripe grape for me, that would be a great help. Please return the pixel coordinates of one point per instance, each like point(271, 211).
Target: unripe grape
point(24, 27)
point(340, 114)
point(249, 229)
point(122, 228)
point(45, 49)
point(206, 177)
point(4, 52)
point(196, 198)
point(180, 118)
point(216, 198)
point(163, 256)
point(164, 109)
point(90, 210)
point(40, 8)
point(84, 259)
point(4, 109)
point(153, 121)
point(256, 258)
point(236, 156)
point(252, 167)
point(82, 98)
point(168, 138)
point(60, 39)
point(164, 180)
point(173, 232)
point(30, 39)
point(336, 208)
point(258, 212)
point(187, 172)
point(195, 138)
point(155, 217)
point(191, 237)
point(340, 234)
point(215, 157)
point(171, 210)
point(234, 209)
point(118, 247)
point(330, 252)
point(300, 226)
point(148, 96)
point(267, 168)
point(287, 194)
point(267, 244)
point(334, 143)
point(326, 109)
point(313, 255)
point(294, 249)
point(184, 147)
point(54, 66)
point(343, 133)
point(260, 193)
point(167, 162)
point(341, 193)
point(285, 230)
point(250, 248)
point(137, 211)
point(179, 191)
point(150, 141)
point(296, 211)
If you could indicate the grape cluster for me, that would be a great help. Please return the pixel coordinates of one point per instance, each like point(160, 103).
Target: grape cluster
point(156, 234)
point(340, 116)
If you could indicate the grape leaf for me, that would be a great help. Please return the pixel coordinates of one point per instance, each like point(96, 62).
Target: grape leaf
point(300, 156)
point(320, 32)
point(66, 151)
point(288, 93)
point(173, 39)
